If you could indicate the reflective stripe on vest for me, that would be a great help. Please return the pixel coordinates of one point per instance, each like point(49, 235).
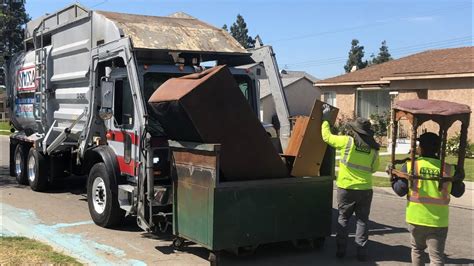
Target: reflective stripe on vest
point(345, 161)
point(414, 196)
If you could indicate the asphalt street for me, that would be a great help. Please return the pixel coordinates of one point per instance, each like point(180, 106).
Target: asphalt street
point(61, 218)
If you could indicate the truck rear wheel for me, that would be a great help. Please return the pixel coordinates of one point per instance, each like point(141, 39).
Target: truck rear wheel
point(102, 198)
point(37, 171)
point(20, 164)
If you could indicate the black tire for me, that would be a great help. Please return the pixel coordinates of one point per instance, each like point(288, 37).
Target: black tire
point(19, 164)
point(12, 159)
point(37, 171)
point(111, 215)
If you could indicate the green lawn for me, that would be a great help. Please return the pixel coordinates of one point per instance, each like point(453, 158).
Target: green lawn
point(468, 164)
point(24, 251)
point(4, 128)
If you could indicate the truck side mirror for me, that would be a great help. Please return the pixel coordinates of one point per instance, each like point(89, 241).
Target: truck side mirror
point(106, 104)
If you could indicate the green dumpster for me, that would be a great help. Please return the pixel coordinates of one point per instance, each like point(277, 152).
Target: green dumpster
point(241, 214)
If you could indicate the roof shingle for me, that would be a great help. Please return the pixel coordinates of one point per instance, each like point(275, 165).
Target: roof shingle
point(431, 62)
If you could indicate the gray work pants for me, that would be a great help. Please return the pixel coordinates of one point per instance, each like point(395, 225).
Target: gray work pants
point(348, 202)
point(433, 238)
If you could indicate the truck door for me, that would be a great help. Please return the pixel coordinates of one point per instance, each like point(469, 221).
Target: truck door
point(123, 125)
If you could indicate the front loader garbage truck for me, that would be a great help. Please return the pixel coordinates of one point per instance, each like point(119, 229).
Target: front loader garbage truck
point(79, 97)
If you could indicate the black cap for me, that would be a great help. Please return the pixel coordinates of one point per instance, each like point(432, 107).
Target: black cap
point(429, 139)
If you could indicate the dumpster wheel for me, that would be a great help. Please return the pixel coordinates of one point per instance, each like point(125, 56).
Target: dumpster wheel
point(214, 258)
point(309, 243)
point(178, 243)
point(318, 243)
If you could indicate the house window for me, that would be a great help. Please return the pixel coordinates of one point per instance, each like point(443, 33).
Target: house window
point(329, 97)
point(372, 102)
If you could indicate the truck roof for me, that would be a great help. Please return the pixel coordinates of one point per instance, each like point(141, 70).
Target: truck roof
point(178, 32)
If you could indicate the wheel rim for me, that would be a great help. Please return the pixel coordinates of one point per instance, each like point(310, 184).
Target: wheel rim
point(31, 168)
point(99, 195)
point(18, 164)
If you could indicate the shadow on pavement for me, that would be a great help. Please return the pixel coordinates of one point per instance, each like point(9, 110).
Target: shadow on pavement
point(190, 248)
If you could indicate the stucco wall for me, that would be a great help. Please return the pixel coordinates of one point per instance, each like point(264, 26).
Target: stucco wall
point(300, 97)
point(459, 90)
point(345, 100)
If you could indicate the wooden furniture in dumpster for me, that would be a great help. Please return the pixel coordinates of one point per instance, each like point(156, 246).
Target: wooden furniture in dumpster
point(209, 107)
point(306, 147)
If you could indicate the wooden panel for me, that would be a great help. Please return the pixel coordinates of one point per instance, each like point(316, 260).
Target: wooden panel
point(306, 142)
point(297, 135)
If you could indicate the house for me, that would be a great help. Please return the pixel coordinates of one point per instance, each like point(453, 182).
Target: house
point(445, 74)
point(299, 91)
point(3, 104)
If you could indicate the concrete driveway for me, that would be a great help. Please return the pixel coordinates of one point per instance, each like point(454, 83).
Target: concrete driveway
point(61, 219)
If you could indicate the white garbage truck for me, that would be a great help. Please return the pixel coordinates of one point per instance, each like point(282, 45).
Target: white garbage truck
point(78, 98)
point(79, 95)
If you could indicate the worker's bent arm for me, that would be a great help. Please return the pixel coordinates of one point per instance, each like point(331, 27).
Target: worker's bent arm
point(334, 141)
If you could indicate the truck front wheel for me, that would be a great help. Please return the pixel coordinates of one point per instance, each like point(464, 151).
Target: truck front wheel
point(20, 164)
point(102, 198)
point(37, 171)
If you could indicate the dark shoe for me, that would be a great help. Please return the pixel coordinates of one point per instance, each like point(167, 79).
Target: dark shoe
point(341, 251)
point(361, 254)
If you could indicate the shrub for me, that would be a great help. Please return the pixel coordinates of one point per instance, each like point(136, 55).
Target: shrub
point(380, 123)
point(341, 126)
point(452, 146)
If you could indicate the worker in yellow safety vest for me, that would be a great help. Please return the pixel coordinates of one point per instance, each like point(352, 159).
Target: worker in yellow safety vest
point(359, 158)
point(427, 211)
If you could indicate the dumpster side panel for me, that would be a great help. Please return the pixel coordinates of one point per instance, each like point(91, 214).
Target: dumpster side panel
point(194, 196)
point(251, 215)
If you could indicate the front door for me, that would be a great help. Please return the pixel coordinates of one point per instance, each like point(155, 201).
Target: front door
point(124, 136)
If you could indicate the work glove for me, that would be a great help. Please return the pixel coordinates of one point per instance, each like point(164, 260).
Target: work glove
point(326, 112)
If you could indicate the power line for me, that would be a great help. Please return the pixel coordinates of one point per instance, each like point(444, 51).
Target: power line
point(384, 22)
point(98, 4)
point(395, 52)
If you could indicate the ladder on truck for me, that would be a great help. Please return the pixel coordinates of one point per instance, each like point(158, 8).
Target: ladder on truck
point(39, 105)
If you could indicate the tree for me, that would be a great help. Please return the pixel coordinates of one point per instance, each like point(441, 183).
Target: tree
point(13, 18)
point(239, 31)
point(383, 56)
point(224, 27)
point(355, 57)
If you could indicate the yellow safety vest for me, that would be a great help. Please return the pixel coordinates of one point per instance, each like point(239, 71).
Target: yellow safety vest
point(428, 205)
point(356, 165)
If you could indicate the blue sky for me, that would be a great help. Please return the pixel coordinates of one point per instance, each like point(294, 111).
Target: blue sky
point(315, 36)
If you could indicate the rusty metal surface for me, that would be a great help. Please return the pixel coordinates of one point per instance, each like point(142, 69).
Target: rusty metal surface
point(210, 108)
point(195, 159)
point(306, 142)
point(178, 32)
point(432, 107)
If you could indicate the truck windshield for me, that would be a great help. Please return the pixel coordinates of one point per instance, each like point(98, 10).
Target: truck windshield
point(153, 80)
